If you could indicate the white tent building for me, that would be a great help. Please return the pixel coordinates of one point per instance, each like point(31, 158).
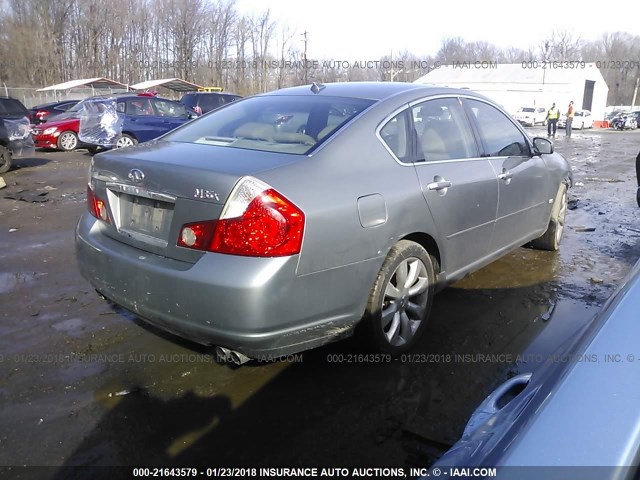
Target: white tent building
point(515, 85)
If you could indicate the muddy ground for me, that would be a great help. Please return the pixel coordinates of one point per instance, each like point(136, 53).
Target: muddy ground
point(82, 383)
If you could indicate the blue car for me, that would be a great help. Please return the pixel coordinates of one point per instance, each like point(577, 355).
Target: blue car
point(577, 417)
point(136, 119)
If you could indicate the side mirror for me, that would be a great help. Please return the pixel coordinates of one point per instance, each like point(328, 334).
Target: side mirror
point(543, 145)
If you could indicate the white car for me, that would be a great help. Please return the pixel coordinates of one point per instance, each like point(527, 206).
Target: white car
point(531, 116)
point(581, 119)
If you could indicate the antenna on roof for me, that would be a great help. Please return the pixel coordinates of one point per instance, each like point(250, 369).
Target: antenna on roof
point(317, 87)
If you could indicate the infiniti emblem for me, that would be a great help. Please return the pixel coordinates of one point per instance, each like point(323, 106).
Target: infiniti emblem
point(136, 175)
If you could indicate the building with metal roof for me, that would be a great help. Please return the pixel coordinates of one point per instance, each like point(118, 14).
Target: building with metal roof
point(175, 84)
point(98, 83)
point(537, 84)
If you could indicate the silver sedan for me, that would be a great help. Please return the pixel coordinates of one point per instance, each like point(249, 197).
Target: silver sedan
point(282, 221)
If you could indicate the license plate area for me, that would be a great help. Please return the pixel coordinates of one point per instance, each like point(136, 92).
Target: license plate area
point(145, 215)
point(142, 215)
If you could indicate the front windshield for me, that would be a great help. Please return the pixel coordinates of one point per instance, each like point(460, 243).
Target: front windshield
point(273, 123)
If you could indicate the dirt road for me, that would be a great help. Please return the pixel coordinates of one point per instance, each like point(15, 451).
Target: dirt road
point(82, 383)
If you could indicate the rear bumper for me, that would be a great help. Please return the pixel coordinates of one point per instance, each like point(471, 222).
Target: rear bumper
point(257, 306)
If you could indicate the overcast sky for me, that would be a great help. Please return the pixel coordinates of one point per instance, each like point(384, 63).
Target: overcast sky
point(355, 30)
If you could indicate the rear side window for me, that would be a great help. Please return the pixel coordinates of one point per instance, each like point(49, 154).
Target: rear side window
point(394, 135)
point(443, 131)
point(210, 102)
point(439, 128)
point(500, 136)
point(165, 108)
point(139, 106)
point(273, 123)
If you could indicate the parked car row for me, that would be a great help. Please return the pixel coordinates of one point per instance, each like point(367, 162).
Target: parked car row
point(57, 125)
point(144, 118)
point(625, 121)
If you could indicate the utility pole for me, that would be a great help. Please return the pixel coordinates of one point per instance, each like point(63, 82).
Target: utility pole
point(304, 57)
point(635, 94)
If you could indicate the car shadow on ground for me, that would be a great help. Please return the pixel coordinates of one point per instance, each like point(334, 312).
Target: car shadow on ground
point(28, 162)
point(332, 406)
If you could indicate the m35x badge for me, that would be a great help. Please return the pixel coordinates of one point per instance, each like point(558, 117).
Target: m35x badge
point(206, 194)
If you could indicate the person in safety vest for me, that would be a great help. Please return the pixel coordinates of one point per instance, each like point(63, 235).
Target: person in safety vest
point(552, 120)
point(570, 112)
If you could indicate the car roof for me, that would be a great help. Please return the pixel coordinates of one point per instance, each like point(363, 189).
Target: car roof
point(370, 90)
point(212, 93)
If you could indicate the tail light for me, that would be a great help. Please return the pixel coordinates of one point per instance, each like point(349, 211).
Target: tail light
point(97, 207)
point(41, 113)
point(198, 110)
point(257, 221)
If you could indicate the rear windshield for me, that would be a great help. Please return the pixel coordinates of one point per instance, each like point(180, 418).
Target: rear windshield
point(12, 107)
point(189, 100)
point(287, 124)
point(214, 101)
point(527, 109)
point(208, 101)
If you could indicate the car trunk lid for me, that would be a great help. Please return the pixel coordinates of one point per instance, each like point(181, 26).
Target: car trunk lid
point(152, 190)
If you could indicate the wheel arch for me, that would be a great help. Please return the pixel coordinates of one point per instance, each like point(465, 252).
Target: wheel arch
point(430, 245)
point(127, 132)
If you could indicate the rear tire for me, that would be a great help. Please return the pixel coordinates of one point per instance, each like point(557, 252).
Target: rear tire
point(125, 140)
point(5, 159)
point(401, 298)
point(550, 240)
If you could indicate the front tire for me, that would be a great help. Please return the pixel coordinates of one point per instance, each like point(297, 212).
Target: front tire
point(5, 159)
point(68, 141)
point(550, 240)
point(401, 298)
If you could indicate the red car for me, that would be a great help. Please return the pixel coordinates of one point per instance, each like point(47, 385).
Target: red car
point(61, 134)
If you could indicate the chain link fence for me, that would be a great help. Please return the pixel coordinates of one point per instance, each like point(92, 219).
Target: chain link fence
point(31, 97)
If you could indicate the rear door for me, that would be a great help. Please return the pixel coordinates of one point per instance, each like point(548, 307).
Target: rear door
point(141, 119)
point(523, 206)
point(459, 187)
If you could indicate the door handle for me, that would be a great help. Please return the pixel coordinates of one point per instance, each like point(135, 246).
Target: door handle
point(505, 175)
point(441, 185)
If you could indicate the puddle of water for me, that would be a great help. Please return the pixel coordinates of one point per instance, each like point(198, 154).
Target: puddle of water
point(521, 268)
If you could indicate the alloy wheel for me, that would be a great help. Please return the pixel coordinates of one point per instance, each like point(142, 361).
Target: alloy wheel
point(68, 141)
point(405, 301)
